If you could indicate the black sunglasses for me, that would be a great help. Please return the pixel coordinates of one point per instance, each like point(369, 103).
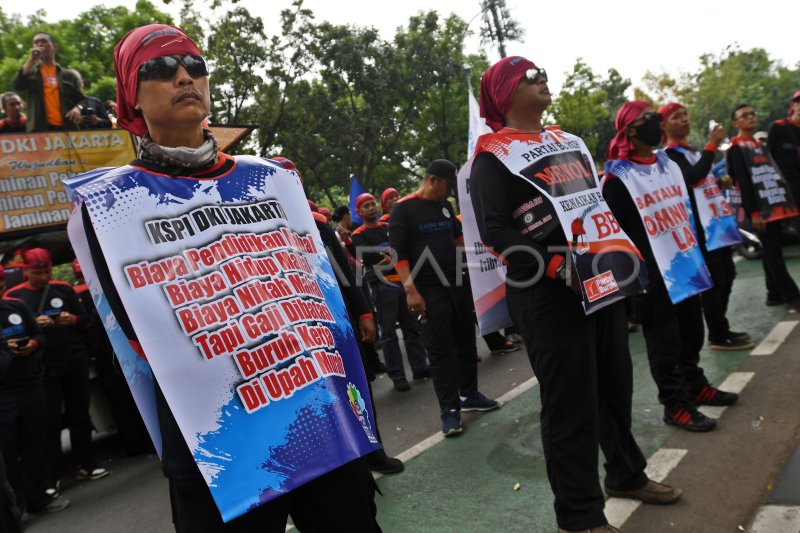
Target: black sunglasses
point(533, 75)
point(164, 67)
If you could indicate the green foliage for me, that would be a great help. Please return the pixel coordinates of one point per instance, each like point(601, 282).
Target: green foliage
point(588, 104)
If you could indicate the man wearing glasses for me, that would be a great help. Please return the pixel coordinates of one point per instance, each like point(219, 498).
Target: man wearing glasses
point(163, 96)
point(766, 200)
point(519, 177)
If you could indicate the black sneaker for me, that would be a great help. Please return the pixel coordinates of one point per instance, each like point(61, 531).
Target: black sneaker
point(402, 385)
point(731, 343)
point(508, 347)
point(775, 300)
point(380, 368)
point(53, 506)
point(425, 374)
point(387, 466)
point(709, 395)
point(451, 423)
point(688, 418)
point(741, 335)
point(478, 402)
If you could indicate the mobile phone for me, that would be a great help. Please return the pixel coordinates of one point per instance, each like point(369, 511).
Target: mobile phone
point(36, 53)
point(712, 124)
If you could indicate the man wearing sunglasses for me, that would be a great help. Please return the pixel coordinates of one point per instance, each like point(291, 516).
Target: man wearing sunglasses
point(582, 361)
point(52, 93)
point(746, 158)
point(163, 97)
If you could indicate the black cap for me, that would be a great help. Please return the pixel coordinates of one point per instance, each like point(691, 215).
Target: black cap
point(442, 168)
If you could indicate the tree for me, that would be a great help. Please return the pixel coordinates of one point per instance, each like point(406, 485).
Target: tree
point(587, 106)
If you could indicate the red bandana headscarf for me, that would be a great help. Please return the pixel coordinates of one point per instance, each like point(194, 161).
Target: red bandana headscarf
point(498, 86)
point(666, 111)
point(362, 199)
point(37, 258)
point(385, 195)
point(138, 46)
point(621, 145)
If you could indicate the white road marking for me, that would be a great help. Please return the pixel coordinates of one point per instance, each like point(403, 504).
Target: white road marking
point(660, 464)
point(775, 338)
point(772, 518)
point(736, 382)
point(438, 437)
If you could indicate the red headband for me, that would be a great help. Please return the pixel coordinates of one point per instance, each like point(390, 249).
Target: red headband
point(621, 145)
point(37, 258)
point(137, 47)
point(498, 86)
point(668, 109)
point(363, 198)
point(386, 194)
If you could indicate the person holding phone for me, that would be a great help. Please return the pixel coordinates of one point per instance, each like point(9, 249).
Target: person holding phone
point(23, 409)
point(63, 318)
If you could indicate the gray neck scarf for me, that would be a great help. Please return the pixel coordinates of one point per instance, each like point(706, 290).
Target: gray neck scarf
point(164, 156)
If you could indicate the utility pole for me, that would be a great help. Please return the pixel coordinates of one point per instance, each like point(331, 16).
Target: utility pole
point(498, 26)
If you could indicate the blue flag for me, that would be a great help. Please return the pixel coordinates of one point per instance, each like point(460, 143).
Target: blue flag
point(355, 190)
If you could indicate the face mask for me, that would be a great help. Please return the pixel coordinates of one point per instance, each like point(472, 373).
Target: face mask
point(650, 132)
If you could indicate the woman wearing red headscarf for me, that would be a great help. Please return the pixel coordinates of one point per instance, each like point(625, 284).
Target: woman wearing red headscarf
point(670, 311)
point(582, 361)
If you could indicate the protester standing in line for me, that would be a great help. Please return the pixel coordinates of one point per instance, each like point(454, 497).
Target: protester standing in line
point(582, 362)
point(746, 156)
point(425, 236)
point(163, 96)
point(705, 193)
point(389, 197)
point(783, 142)
point(673, 326)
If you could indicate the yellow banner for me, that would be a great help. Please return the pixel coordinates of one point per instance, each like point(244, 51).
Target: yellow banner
point(32, 166)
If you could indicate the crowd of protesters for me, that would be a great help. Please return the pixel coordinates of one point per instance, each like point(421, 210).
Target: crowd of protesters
point(401, 270)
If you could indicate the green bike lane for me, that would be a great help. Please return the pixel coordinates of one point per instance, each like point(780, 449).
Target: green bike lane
point(492, 477)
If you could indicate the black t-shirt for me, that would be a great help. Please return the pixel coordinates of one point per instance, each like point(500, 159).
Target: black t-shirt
point(16, 322)
point(369, 243)
point(64, 343)
point(424, 234)
point(505, 207)
point(783, 142)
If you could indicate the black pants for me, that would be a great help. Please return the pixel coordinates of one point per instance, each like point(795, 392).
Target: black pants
point(586, 385)
point(342, 500)
point(393, 308)
point(780, 283)
point(674, 336)
point(715, 300)
point(69, 386)
point(23, 418)
point(449, 337)
point(10, 514)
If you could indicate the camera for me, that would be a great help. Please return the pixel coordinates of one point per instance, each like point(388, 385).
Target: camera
point(37, 54)
point(87, 111)
point(22, 342)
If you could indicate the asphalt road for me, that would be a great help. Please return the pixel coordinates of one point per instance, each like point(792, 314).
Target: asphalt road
point(468, 484)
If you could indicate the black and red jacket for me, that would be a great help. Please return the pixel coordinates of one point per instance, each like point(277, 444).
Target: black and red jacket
point(64, 343)
point(16, 322)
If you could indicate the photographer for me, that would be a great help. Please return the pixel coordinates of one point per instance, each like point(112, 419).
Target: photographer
point(52, 93)
point(94, 113)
